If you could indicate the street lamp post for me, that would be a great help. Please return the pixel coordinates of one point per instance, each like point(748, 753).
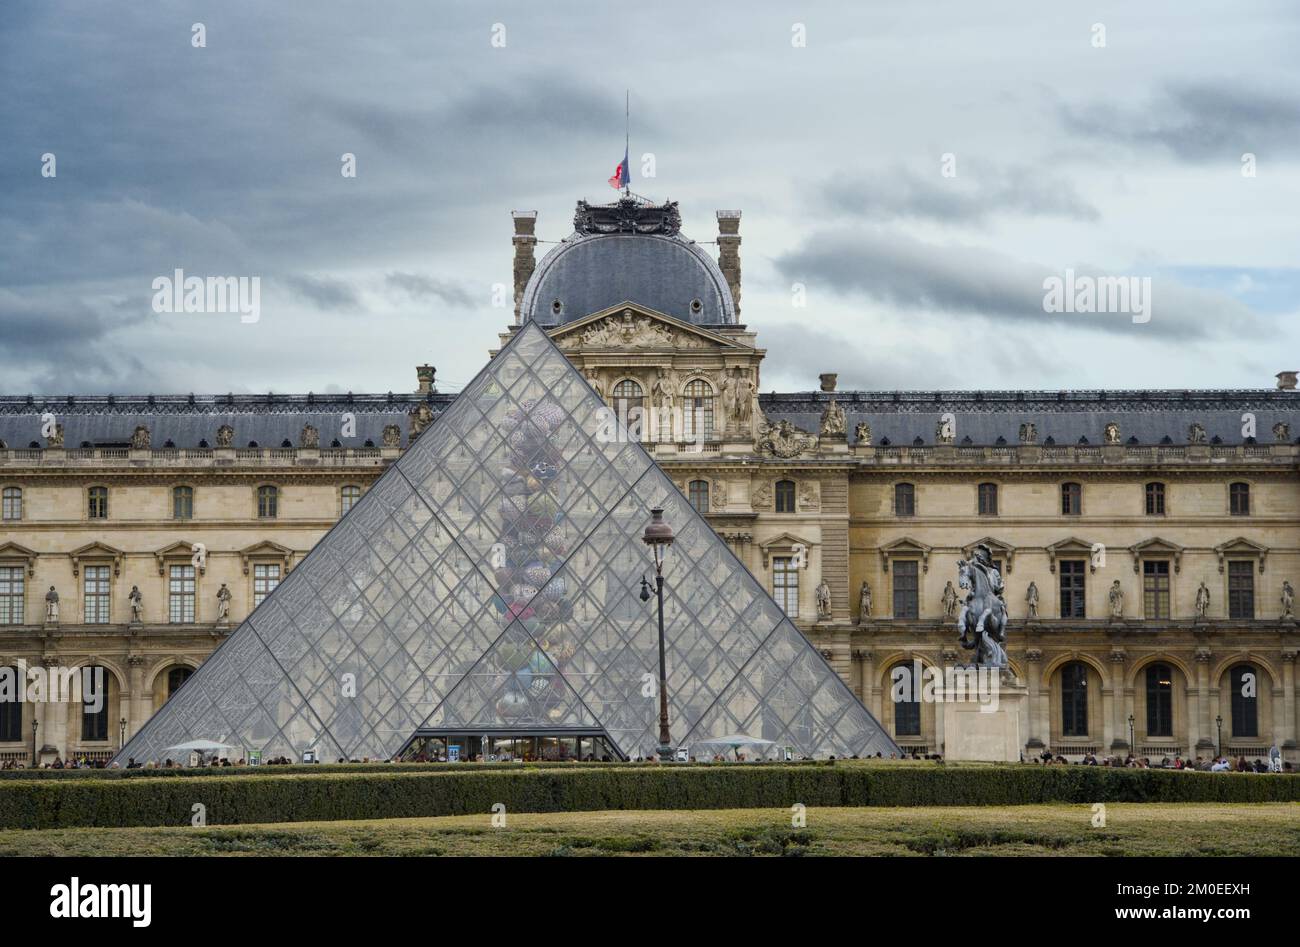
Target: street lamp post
point(1218, 722)
point(1131, 748)
point(35, 723)
point(659, 536)
point(121, 733)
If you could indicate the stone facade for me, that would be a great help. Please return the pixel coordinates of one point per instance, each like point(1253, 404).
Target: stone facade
point(804, 495)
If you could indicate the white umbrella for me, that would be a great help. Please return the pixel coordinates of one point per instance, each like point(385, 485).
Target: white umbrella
point(203, 746)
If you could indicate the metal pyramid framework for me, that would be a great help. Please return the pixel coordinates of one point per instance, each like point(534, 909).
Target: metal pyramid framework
point(488, 582)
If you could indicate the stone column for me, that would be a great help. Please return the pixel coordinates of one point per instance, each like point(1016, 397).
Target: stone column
point(1118, 718)
point(136, 711)
point(1288, 727)
point(1205, 719)
point(870, 693)
point(729, 252)
point(1033, 671)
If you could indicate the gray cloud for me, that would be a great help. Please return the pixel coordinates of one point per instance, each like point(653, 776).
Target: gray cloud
point(325, 292)
point(418, 286)
point(1198, 121)
point(902, 271)
point(974, 195)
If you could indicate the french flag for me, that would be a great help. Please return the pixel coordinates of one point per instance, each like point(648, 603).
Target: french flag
point(620, 177)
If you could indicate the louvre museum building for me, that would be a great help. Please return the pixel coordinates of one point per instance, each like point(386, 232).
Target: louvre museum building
point(464, 571)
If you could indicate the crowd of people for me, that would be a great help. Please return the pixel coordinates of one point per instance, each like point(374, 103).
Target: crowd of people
point(1212, 764)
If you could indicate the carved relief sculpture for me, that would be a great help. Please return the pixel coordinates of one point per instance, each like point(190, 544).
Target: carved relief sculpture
point(392, 435)
point(863, 434)
point(56, 439)
point(225, 435)
point(1281, 432)
point(421, 417)
point(784, 440)
point(761, 498)
point(1196, 434)
point(810, 495)
point(140, 438)
point(309, 438)
point(627, 332)
point(1112, 433)
point(1028, 433)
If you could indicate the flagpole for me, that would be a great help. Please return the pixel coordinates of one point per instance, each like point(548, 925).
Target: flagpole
point(627, 138)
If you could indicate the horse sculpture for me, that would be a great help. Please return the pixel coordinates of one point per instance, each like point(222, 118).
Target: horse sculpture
point(982, 621)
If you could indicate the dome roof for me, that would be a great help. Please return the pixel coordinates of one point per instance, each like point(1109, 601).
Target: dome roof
point(628, 251)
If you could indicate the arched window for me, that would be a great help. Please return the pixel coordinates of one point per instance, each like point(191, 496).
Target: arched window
point(697, 411)
point(1071, 499)
point(348, 498)
point(11, 710)
point(97, 503)
point(175, 678)
point(1160, 700)
point(1074, 699)
point(94, 723)
point(182, 503)
point(905, 691)
point(1155, 499)
point(698, 490)
point(1239, 499)
point(13, 503)
point(268, 501)
point(785, 496)
point(988, 499)
point(1245, 701)
point(904, 499)
point(629, 405)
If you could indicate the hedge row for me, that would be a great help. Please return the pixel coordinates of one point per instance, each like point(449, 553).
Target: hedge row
point(301, 769)
point(43, 804)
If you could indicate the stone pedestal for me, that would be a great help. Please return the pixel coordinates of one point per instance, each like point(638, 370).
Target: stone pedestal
point(975, 731)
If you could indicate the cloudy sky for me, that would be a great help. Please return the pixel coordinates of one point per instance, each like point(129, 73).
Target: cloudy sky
point(1122, 159)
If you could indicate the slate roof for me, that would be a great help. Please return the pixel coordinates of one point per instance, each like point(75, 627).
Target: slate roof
point(1144, 416)
point(186, 420)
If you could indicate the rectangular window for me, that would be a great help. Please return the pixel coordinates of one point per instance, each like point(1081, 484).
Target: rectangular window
point(1155, 589)
point(1239, 499)
point(11, 711)
point(12, 595)
point(95, 597)
point(265, 579)
point(698, 490)
point(1241, 589)
point(13, 503)
point(988, 494)
point(907, 599)
point(1071, 499)
point(1072, 572)
point(183, 503)
point(1155, 499)
point(97, 503)
point(350, 496)
point(785, 584)
point(180, 595)
point(904, 499)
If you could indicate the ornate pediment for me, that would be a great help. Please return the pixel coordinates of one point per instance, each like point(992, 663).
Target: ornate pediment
point(1072, 548)
point(627, 215)
point(784, 440)
point(13, 552)
point(1241, 548)
point(96, 551)
point(265, 550)
point(1156, 549)
point(906, 548)
point(197, 553)
point(787, 544)
point(627, 327)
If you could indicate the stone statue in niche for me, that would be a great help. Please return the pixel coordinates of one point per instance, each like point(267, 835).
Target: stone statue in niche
point(1288, 600)
point(51, 607)
point(950, 601)
point(1202, 600)
point(136, 598)
point(1111, 433)
point(833, 420)
point(223, 603)
point(1116, 597)
point(1031, 599)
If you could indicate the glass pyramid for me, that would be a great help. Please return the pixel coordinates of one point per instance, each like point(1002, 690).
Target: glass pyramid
point(489, 581)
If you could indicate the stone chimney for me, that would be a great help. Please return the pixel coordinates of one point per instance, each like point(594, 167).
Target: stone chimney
point(1286, 381)
point(729, 252)
point(525, 240)
point(425, 375)
point(828, 380)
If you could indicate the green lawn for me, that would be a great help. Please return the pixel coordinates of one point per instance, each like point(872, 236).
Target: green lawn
point(1131, 829)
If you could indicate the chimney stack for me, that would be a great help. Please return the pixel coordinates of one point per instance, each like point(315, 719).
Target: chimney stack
point(729, 252)
point(828, 380)
point(425, 375)
point(524, 240)
point(1286, 381)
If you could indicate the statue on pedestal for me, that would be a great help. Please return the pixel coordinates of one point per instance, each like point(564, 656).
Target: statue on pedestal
point(983, 618)
point(1031, 597)
point(864, 602)
point(823, 601)
point(136, 598)
point(950, 601)
point(1288, 600)
point(223, 603)
point(1116, 597)
point(1202, 600)
point(51, 607)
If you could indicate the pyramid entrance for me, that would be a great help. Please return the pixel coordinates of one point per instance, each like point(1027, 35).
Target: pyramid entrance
point(487, 584)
